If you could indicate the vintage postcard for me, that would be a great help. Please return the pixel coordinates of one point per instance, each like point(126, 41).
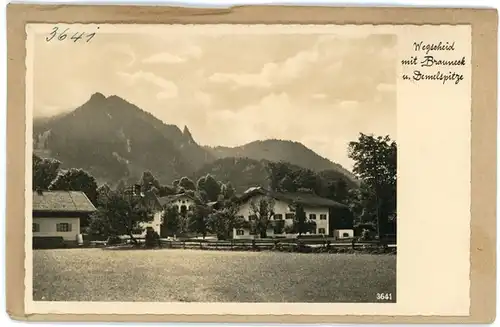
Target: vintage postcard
point(248, 169)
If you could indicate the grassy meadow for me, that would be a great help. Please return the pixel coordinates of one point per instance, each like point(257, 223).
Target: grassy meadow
point(167, 275)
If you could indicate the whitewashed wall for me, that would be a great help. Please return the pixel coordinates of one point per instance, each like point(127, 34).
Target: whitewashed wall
point(48, 227)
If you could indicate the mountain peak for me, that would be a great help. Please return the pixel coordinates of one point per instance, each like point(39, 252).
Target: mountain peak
point(116, 98)
point(98, 96)
point(187, 135)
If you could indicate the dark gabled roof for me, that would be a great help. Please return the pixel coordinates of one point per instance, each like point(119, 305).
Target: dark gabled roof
point(171, 198)
point(305, 199)
point(62, 201)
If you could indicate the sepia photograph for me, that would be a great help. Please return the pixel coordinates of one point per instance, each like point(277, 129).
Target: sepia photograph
point(256, 164)
point(195, 166)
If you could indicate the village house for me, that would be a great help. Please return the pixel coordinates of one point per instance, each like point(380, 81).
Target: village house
point(316, 208)
point(152, 202)
point(183, 202)
point(59, 214)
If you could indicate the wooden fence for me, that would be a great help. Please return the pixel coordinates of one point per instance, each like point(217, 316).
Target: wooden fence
point(306, 245)
point(312, 245)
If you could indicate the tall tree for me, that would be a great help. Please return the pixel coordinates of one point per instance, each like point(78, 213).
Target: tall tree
point(375, 163)
point(362, 204)
point(172, 222)
point(120, 213)
point(302, 225)
point(103, 192)
point(223, 221)
point(45, 170)
point(76, 180)
point(262, 210)
point(198, 220)
point(187, 184)
point(210, 187)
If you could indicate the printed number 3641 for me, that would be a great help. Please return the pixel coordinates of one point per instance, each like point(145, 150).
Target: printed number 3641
point(384, 296)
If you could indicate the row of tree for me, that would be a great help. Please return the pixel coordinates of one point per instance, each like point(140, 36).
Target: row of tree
point(48, 175)
point(373, 201)
point(124, 209)
point(206, 189)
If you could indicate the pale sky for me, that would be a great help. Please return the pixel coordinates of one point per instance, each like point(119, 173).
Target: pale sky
point(320, 90)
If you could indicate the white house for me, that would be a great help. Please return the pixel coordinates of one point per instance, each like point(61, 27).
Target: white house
point(316, 209)
point(58, 214)
point(155, 224)
point(184, 202)
point(157, 209)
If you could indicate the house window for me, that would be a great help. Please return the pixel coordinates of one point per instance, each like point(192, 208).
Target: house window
point(322, 216)
point(35, 228)
point(312, 216)
point(63, 227)
point(321, 230)
point(289, 216)
point(345, 235)
point(278, 216)
point(240, 232)
point(252, 217)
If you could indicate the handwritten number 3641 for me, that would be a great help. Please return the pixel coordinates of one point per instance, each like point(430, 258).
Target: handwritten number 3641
point(66, 34)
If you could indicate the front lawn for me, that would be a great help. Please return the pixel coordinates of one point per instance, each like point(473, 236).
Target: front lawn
point(206, 276)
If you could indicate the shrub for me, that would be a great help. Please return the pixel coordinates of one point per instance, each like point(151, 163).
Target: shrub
point(48, 242)
point(152, 238)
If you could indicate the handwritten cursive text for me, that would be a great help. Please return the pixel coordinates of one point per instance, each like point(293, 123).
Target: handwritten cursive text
point(427, 47)
point(68, 35)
